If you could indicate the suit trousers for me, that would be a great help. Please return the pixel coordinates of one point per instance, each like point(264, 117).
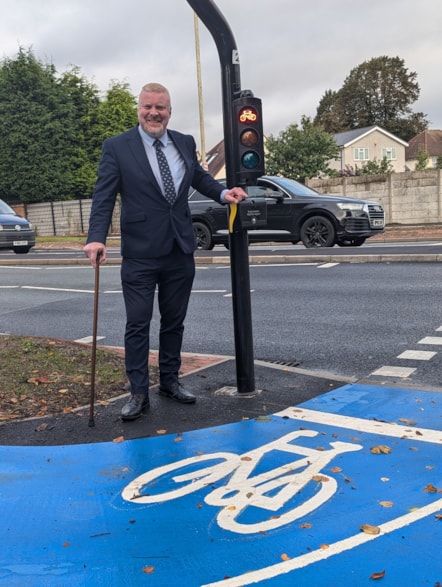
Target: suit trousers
point(173, 276)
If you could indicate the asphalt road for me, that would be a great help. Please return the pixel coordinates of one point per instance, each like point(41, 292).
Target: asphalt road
point(349, 319)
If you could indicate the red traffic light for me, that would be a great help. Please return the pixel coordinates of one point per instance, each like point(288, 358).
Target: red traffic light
point(248, 115)
point(248, 140)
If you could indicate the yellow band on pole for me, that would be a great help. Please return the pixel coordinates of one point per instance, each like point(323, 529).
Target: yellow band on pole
point(232, 216)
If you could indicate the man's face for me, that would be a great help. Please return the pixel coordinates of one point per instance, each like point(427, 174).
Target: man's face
point(154, 112)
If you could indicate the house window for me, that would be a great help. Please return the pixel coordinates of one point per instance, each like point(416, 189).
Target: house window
point(361, 154)
point(389, 153)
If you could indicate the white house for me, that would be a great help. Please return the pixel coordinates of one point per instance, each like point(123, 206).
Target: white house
point(361, 145)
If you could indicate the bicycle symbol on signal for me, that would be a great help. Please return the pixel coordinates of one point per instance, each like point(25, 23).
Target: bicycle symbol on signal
point(248, 116)
point(269, 490)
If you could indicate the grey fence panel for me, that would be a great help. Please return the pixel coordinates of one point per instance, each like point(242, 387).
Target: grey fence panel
point(66, 218)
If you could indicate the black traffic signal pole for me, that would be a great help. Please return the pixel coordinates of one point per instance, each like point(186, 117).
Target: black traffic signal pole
point(215, 22)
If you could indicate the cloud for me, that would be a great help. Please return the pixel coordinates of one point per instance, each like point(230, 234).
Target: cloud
point(291, 52)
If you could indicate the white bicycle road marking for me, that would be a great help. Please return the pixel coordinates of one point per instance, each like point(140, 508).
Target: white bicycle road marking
point(244, 490)
point(269, 490)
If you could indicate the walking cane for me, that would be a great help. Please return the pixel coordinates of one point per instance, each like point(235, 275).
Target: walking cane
point(94, 340)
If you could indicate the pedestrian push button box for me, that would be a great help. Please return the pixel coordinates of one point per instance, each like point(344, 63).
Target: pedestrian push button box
point(252, 213)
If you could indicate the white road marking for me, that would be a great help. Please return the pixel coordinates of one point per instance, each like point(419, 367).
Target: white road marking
point(57, 289)
point(362, 425)
point(322, 554)
point(431, 340)
point(346, 544)
point(328, 265)
point(88, 339)
point(390, 371)
point(417, 355)
point(209, 291)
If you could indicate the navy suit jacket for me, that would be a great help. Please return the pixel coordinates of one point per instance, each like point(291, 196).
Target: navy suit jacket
point(149, 225)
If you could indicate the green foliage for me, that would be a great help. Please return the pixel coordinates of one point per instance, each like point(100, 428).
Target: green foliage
point(376, 167)
point(373, 167)
point(300, 153)
point(439, 162)
point(422, 159)
point(52, 128)
point(377, 92)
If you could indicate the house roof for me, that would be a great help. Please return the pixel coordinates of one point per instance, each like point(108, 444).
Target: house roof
point(345, 139)
point(216, 159)
point(430, 140)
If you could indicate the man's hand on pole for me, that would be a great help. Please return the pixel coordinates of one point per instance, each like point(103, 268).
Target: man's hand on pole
point(235, 195)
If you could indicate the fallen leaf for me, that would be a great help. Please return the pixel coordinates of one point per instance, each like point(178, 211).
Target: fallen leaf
point(386, 504)
point(41, 427)
point(178, 439)
point(379, 575)
point(148, 570)
point(246, 458)
point(381, 449)
point(285, 557)
point(369, 529)
point(66, 544)
point(305, 525)
point(161, 431)
point(320, 478)
point(430, 488)
point(409, 422)
point(324, 546)
point(64, 390)
point(336, 470)
point(118, 439)
point(38, 380)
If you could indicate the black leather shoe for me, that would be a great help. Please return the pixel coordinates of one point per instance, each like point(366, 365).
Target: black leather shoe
point(177, 392)
point(135, 406)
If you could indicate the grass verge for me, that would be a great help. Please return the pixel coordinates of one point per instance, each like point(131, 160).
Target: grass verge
point(41, 376)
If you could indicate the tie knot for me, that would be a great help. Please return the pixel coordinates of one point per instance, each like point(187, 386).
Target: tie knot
point(157, 144)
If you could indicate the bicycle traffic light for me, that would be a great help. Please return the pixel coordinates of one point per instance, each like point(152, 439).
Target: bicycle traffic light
point(248, 140)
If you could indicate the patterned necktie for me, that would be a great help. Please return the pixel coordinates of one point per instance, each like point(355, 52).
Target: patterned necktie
point(166, 175)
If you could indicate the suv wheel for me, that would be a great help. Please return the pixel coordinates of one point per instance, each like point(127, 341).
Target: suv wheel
point(21, 250)
point(203, 236)
point(318, 231)
point(351, 242)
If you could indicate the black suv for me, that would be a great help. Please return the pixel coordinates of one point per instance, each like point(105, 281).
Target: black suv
point(295, 213)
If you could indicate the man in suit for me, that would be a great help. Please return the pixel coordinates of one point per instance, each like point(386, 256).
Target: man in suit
point(157, 239)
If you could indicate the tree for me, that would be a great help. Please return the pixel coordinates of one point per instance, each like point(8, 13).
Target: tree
point(422, 159)
point(377, 92)
point(117, 112)
point(300, 153)
point(37, 131)
point(85, 101)
point(52, 128)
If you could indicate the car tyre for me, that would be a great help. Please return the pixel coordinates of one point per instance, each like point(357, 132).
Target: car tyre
point(203, 236)
point(351, 242)
point(318, 231)
point(21, 250)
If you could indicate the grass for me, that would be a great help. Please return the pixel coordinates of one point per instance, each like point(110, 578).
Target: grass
point(41, 376)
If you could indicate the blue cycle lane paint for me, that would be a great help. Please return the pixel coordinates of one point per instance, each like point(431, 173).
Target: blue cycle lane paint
point(339, 490)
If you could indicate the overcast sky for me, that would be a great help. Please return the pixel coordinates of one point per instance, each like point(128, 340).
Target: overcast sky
point(291, 51)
